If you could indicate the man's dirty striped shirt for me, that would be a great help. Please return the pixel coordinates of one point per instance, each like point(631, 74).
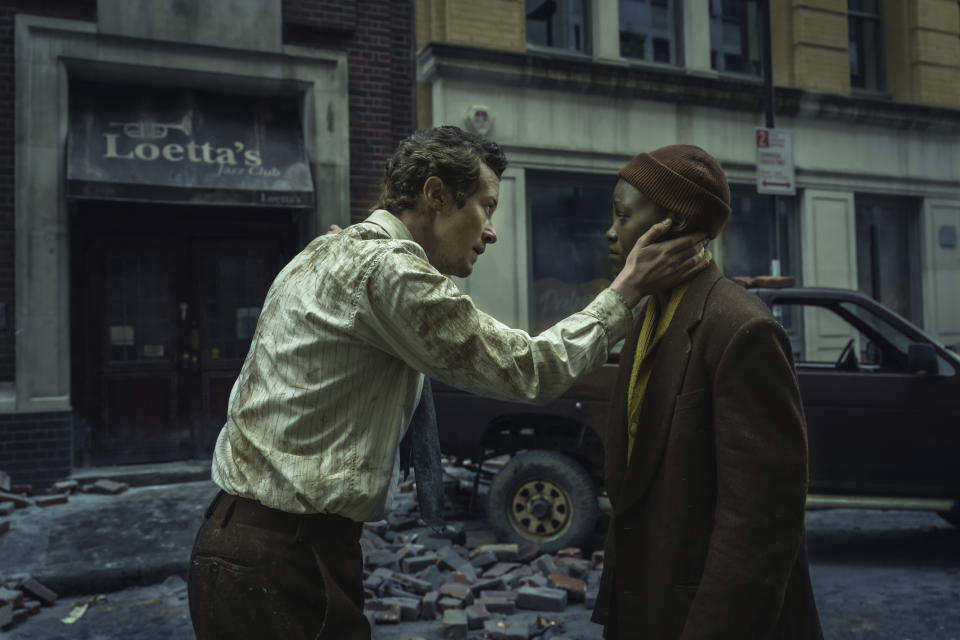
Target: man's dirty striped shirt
point(347, 331)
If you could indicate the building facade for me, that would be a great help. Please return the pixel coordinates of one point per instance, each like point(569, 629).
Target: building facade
point(160, 160)
point(869, 89)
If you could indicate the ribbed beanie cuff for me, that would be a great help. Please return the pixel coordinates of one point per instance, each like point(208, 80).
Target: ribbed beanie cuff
point(686, 180)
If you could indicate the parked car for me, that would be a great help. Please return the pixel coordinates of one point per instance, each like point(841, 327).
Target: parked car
point(881, 398)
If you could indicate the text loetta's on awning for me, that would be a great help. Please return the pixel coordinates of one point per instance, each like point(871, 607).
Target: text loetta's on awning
point(180, 145)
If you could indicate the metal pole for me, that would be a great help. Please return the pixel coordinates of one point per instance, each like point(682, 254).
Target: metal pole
point(769, 100)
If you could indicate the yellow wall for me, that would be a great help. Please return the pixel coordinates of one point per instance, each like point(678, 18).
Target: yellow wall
point(810, 45)
point(492, 24)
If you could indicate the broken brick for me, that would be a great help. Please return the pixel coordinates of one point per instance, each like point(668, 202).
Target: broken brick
point(412, 565)
point(454, 624)
point(576, 567)
point(410, 583)
point(541, 599)
point(499, 605)
point(65, 486)
point(477, 614)
point(22, 489)
point(484, 559)
point(48, 501)
point(489, 584)
point(38, 591)
point(6, 508)
point(18, 500)
point(447, 602)
point(596, 560)
point(503, 552)
point(535, 581)
point(545, 565)
point(390, 615)
point(4, 481)
point(409, 607)
point(590, 599)
point(380, 559)
point(500, 569)
point(456, 590)
point(569, 552)
point(576, 589)
point(527, 552)
point(450, 559)
point(6, 615)
point(513, 578)
point(428, 608)
point(12, 597)
point(107, 487)
point(377, 528)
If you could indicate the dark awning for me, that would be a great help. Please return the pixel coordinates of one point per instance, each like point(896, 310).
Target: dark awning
point(179, 145)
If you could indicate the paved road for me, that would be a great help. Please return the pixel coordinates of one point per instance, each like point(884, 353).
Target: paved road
point(877, 576)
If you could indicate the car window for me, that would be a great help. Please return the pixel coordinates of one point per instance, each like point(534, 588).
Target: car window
point(896, 337)
point(818, 335)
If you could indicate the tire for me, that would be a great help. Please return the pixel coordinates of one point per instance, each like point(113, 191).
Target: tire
point(543, 497)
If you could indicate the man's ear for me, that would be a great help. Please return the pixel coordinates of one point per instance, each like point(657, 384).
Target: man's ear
point(434, 193)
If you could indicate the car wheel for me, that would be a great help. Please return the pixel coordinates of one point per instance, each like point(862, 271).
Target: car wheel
point(543, 497)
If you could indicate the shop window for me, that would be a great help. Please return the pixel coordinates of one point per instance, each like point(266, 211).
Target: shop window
point(648, 30)
point(138, 307)
point(735, 36)
point(560, 24)
point(569, 215)
point(888, 253)
point(866, 45)
point(751, 233)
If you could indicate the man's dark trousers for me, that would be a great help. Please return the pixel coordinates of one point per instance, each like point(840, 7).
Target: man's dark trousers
point(257, 572)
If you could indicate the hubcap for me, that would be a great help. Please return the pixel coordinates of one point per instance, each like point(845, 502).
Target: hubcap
point(541, 510)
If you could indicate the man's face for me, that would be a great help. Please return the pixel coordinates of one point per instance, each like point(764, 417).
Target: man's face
point(633, 215)
point(461, 235)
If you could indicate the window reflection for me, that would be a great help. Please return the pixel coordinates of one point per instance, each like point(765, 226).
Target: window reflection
point(569, 215)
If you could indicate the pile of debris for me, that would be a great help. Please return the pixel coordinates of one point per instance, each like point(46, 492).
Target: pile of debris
point(20, 599)
point(475, 584)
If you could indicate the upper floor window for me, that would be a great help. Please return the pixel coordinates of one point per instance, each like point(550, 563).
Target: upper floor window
point(866, 44)
point(735, 36)
point(558, 23)
point(647, 30)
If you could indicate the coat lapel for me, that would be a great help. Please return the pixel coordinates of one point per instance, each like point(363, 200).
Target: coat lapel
point(669, 367)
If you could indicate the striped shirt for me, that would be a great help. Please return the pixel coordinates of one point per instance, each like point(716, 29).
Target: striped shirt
point(334, 371)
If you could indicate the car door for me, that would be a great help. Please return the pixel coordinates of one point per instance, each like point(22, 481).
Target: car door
point(874, 426)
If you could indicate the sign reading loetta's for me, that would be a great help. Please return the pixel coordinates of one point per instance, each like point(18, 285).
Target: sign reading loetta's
point(180, 145)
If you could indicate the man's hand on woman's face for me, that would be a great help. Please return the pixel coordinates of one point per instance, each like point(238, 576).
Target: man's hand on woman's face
point(653, 266)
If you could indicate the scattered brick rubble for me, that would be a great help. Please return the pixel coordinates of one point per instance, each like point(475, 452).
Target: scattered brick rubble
point(19, 496)
point(20, 598)
point(476, 586)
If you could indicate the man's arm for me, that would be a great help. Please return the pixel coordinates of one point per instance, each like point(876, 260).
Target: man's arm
point(761, 488)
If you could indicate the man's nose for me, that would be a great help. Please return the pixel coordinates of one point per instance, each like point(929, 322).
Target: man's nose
point(611, 235)
point(489, 234)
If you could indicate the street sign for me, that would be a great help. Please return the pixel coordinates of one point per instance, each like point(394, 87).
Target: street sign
point(775, 172)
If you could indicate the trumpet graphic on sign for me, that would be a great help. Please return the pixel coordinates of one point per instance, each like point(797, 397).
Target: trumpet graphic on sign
point(150, 130)
point(146, 131)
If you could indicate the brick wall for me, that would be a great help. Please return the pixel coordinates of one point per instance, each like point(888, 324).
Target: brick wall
point(377, 37)
point(36, 448)
point(923, 51)
point(821, 59)
point(78, 9)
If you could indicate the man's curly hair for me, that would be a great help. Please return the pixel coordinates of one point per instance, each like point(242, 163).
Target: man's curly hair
point(450, 153)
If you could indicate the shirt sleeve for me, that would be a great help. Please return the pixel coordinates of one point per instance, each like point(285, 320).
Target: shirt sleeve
point(761, 450)
point(407, 308)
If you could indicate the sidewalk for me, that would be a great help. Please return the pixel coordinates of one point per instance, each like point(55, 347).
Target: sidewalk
point(102, 543)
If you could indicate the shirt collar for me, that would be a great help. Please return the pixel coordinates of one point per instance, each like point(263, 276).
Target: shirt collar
point(391, 224)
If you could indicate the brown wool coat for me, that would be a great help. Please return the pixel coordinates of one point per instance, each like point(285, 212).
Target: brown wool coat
point(707, 537)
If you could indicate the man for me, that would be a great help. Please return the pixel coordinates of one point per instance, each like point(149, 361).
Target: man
point(347, 332)
point(706, 452)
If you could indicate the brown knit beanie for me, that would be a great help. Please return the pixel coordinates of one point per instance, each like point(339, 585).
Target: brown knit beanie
point(686, 180)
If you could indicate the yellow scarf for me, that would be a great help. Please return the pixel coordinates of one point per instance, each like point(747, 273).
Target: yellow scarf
point(650, 333)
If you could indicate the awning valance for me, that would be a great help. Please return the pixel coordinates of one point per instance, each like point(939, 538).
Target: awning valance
point(181, 145)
